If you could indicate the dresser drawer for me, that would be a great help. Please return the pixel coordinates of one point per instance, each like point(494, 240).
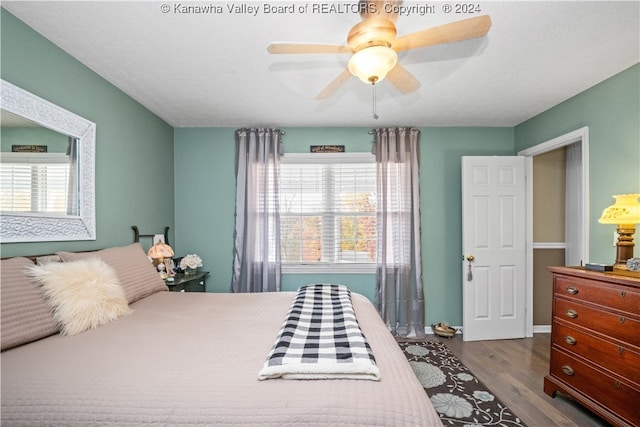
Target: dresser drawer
point(619, 397)
point(610, 324)
point(620, 359)
point(613, 296)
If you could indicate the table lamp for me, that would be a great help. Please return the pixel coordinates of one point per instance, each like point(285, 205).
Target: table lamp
point(625, 213)
point(159, 252)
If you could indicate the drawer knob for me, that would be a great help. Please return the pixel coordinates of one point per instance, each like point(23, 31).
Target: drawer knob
point(618, 384)
point(570, 340)
point(620, 349)
point(622, 319)
point(572, 290)
point(567, 370)
point(571, 313)
point(623, 294)
point(201, 283)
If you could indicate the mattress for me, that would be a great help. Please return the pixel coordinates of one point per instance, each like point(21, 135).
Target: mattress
point(193, 359)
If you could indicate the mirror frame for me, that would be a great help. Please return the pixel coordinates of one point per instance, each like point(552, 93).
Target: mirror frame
point(49, 228)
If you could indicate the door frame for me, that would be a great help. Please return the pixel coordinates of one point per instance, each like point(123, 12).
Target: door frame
point(579, 135)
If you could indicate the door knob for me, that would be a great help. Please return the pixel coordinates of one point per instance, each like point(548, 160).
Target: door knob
point(470, 272)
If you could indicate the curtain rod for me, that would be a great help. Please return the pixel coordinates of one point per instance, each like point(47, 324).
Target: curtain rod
point(372, 131)
point(279, 130)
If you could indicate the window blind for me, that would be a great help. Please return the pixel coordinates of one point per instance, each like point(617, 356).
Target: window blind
point(36, 183)
point(328, 209)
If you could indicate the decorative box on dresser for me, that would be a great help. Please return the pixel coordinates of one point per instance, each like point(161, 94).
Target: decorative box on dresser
point(595, 342)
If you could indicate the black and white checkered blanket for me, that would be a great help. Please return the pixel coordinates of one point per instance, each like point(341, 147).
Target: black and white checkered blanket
point(321, 339)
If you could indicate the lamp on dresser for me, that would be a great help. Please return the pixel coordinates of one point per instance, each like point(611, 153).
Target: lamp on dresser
point(625, 213)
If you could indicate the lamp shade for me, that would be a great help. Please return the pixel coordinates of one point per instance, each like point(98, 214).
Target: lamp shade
point(626, 210)
point(372, 64)
point(160, 250)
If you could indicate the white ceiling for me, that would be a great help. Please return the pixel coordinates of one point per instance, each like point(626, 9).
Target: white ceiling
point(213, 70)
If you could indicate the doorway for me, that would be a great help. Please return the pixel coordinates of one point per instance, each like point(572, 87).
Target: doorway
point(576, 210)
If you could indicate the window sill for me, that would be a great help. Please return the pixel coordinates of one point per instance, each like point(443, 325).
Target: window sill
point(346, 268)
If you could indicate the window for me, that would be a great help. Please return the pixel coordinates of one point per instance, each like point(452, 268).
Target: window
point(328, 211)
point(36, 183)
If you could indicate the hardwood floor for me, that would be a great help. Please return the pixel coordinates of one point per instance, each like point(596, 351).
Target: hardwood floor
point(514, 371)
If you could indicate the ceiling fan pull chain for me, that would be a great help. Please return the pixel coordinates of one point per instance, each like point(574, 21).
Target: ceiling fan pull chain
point(375, 115)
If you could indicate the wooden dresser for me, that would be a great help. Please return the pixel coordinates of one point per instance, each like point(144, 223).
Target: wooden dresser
point(595, 342)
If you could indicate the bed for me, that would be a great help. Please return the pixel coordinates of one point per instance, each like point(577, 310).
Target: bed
point(186, 359)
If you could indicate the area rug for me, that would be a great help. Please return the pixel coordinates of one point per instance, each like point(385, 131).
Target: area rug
point(456, 394)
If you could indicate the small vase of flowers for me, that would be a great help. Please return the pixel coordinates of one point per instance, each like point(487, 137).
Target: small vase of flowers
point(190, 264)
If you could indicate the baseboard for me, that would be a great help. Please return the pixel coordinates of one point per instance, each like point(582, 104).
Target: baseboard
point(537, 329)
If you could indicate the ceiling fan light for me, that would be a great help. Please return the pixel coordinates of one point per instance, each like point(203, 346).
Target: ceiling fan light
point(372, 64)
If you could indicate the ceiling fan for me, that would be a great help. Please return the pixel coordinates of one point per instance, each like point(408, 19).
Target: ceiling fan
point(374, 45)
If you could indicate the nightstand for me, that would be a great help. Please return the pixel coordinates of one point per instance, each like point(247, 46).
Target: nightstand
point(188, 283)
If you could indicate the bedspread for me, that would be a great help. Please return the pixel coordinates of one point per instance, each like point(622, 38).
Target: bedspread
point(192, 359)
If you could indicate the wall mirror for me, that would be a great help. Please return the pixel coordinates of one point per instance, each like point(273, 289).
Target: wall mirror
point(47, 170)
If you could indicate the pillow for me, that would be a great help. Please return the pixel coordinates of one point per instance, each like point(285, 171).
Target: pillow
point(136, 273)
point(84, 294)
point(46, 259)
point(25, 316)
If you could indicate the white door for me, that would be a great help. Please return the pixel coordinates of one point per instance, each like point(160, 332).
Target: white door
point(494, 247)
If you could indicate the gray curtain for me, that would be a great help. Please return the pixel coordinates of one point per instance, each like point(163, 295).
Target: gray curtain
point(256, 253)
point(72, 188)
point(400, 297)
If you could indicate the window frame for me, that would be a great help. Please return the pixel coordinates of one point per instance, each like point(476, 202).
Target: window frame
point(320, 267)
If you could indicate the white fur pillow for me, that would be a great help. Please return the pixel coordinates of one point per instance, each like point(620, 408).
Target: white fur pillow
point(83, 294)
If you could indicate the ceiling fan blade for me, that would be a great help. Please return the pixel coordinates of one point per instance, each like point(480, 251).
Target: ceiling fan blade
point(403, 80)
point(295, 48)
point(455, 31)
point(334, 85)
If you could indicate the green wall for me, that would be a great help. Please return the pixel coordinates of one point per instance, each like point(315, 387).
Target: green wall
point(441, 150)
point(54, 141)
point(134, 148)
point(204, 199)
point(611, 110)
point(205, 202)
